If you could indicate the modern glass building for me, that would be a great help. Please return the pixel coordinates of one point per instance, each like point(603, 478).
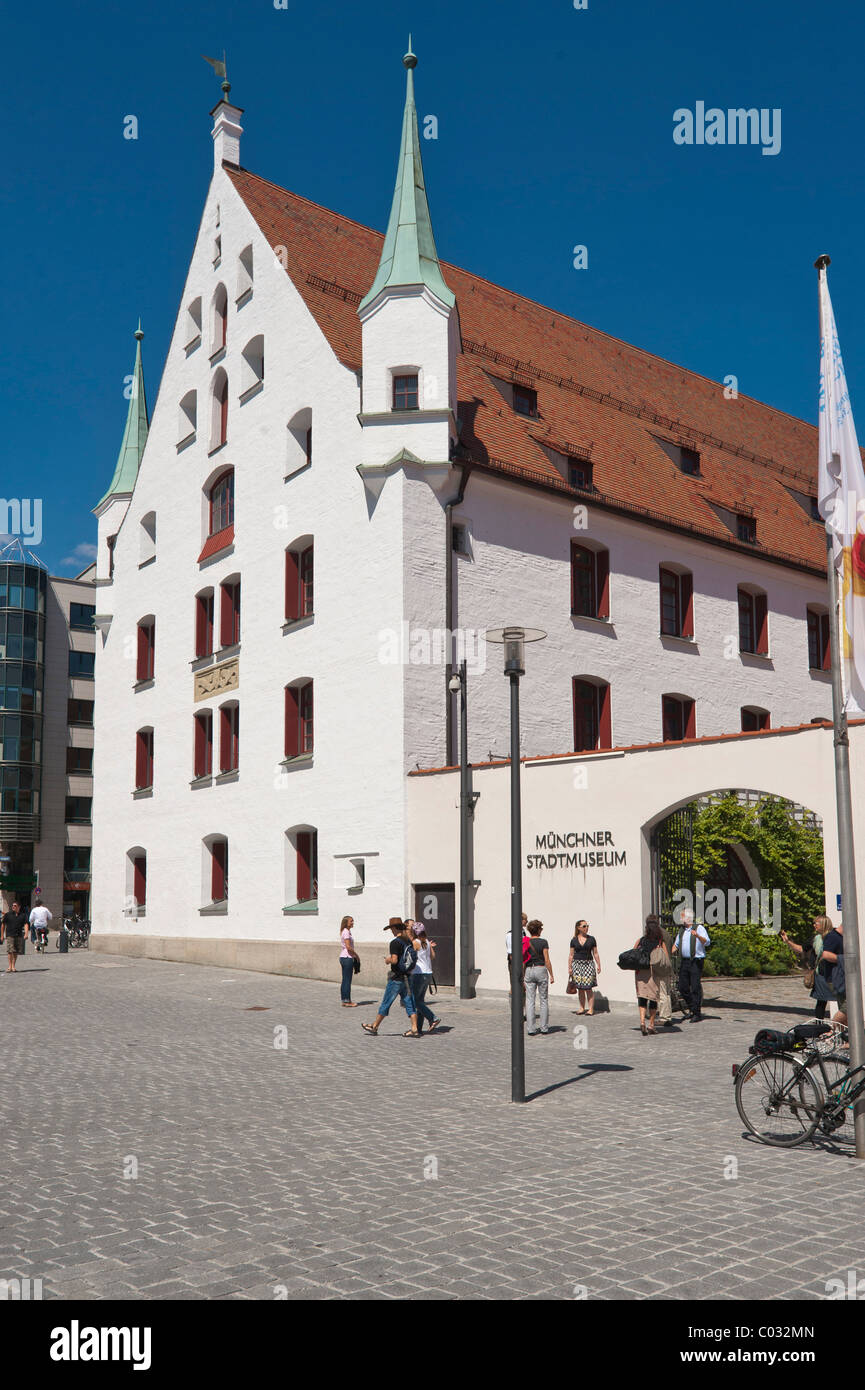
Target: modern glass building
point(23, 589)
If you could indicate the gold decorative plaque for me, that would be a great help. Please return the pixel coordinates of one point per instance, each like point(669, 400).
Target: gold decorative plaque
point(216, 680)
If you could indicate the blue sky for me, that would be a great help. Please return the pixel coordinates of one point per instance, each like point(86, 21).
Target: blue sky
point(555, 129)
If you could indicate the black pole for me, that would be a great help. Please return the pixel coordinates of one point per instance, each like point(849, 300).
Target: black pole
point(466, 991)
point(518, 1044)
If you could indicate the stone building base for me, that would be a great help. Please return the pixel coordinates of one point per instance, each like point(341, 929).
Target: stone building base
point(310, 960)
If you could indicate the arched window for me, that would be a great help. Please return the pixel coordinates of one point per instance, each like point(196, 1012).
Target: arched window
point(753, 620)
point(219, 321)
point(590, 581)
point(229, 736)
point(146, 652)
point(147, 539)
point(299, 442)
point(252, 368)
point(214, 876)
point(299, 596)
point(143, 759)
point(136, 882)
point(676, 589)
point(244, 276)
point(678, 718)
point(299, 740)
point(592, 717)
point(218, 517)
point(187, 420)
point(204, 623)
point(754, 718)
point(301, 867)
point(219, 415)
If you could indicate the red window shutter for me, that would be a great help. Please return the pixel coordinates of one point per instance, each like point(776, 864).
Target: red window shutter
point(229, 623)
point(292, 586)
point(146, 648)
point(235, 736)
point(224, 740)
point(292, 723)
point(218, 863)
point(139, 879)
point(687, 589)
point(690, 720)
point(761, 624)
point(203, 745)
point(204, 625)
point(304, 866)
point(605, 723)
point(306, 583)
point(140, 754)
point(603, 583)
point(824, 637)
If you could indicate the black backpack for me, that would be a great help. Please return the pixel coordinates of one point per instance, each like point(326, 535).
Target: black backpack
point(407, 961)
point(638, 958)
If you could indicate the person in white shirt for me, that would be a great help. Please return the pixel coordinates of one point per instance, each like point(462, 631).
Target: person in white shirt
point(421, 976)
point(691, 943)
point(39, 919)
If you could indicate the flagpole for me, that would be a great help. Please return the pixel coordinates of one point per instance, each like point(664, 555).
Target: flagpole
point(844, 808)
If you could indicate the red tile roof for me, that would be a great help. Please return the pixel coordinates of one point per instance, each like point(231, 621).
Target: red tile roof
point(600, 397)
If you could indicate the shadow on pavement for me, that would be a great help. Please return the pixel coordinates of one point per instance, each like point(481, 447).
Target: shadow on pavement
point(588, 1070)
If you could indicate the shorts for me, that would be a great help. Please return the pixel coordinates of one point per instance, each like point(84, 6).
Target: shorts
point(14, 944)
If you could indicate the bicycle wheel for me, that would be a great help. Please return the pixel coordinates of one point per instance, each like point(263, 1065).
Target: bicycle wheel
point(778, 1100)
point(836, 1065)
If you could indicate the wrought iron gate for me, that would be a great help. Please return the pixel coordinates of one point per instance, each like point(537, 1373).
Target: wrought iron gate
point(672, 855)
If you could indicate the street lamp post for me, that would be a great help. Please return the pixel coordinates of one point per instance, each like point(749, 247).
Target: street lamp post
point(458, 685)
point(513, 639)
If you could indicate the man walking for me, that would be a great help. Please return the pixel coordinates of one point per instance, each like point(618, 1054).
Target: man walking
point(39, 919)
point(402, 960)
point(691, 943)
point(13, 928)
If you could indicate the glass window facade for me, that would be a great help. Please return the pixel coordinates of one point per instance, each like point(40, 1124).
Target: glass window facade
point(22, 636)
point(81, 616)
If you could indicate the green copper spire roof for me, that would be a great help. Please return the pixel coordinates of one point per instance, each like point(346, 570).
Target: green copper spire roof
point(409, 256)
point(135, 434)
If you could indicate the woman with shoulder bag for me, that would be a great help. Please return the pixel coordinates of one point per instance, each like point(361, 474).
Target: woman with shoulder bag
point(817, 976)
point(349, 961)
point(421, 976)
point(646, 980)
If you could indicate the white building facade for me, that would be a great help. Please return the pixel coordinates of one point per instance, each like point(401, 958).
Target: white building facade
point(354, 452)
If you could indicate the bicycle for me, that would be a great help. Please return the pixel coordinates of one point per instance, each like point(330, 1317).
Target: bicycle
point(78, 932)
point(777, 1096)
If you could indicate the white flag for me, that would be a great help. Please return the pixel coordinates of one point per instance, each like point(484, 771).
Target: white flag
point(841, 501)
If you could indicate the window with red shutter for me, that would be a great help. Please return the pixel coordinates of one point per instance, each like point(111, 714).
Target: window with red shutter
point(139, 880)
point(678, 717)
point(204, 624)
point(219, 871)
point(761, 625)
point(292, 586)
point(146, 651)
point(203, 744)
point(686, 589)
point(671, 603)
point(754, 719)
point(229, 738)
point(305, 734)
point(747, 622)
point(584, 593)
point(292, 722)
point(690, 716)
point(602, 582)
point(605, 730)
point(143, 759)
point(306, 578)
point(307, 866)
point(229, 624)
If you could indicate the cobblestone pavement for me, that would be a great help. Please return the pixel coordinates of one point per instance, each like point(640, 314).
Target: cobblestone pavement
point(346, 1166)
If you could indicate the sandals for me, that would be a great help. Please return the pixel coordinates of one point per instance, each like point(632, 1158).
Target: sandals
point(412, 1033)
point(434, 1025)
point(368, 1028)
point(581, 1011)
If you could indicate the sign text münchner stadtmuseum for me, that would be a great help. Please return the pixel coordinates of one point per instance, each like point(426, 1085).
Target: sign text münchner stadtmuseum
point(576, 849)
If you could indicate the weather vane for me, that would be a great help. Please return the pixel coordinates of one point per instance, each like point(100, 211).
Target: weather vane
point(219, 69)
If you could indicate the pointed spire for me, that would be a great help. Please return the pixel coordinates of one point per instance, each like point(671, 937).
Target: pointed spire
point(135, 434)
point(409, 255)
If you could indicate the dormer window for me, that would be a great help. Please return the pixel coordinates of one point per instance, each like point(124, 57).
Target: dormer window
point(525, 400)
point(405, 392)
point(815, 509)
point(746, 529)
point(690, 461)
point(580, 475)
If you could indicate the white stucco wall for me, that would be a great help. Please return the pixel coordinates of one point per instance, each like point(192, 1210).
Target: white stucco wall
point(625, 794)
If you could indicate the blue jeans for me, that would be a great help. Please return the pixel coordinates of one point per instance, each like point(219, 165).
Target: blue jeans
point(393, 989)
point(419, 986)
point(347, 963)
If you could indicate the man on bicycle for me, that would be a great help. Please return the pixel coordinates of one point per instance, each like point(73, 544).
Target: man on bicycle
point(39, 919)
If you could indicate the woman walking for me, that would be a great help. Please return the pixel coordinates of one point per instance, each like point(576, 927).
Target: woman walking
point(538, 976)
point(584, 966)
point(648, 990)
point(421, 976)
point(819, 970)
point(347, 957)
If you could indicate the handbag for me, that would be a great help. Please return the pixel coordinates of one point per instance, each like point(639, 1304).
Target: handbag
point(355, 965)
point(808, 977)
point(570, 987)
point(638, 958)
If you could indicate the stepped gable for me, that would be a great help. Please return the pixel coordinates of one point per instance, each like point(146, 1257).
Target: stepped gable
point(598, 398)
